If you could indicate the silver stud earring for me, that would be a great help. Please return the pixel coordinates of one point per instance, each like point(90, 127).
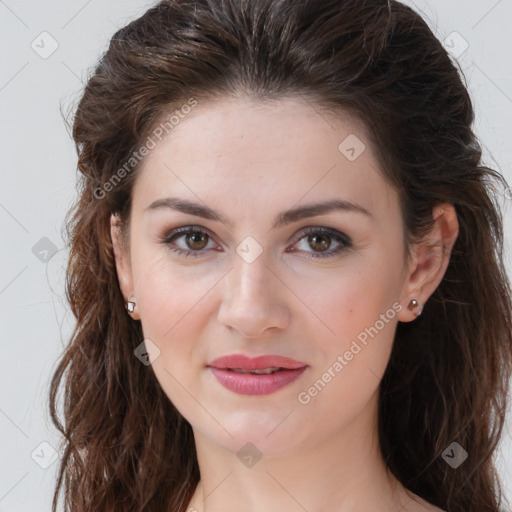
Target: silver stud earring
point(130, 306)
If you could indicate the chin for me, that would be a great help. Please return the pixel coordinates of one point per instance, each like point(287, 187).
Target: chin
point(267, 435)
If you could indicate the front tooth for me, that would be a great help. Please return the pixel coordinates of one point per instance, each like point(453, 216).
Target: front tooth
point(265, 371)
point(258, 372)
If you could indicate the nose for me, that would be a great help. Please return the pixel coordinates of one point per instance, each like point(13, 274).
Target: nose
point(253, 299)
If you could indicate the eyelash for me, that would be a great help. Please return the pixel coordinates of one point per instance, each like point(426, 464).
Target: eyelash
point(344, 240)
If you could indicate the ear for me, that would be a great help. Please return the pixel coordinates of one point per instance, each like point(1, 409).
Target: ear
point(429, 260)
point(123, 265)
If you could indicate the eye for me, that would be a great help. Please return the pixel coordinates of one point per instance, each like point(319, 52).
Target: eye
point(194, 240)
point(320, 240)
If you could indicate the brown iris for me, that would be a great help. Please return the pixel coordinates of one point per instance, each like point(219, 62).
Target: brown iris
point(323, 244)
point(197, 240)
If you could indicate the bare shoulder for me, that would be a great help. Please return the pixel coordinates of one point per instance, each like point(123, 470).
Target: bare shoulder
point(417, 504)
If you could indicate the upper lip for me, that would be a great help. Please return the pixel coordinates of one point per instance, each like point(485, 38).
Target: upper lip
point(242, 362)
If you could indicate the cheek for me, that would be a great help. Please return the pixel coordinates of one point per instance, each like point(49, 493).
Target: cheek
point(353, 299)
point(360, 309)
point(172, 302)
point(170, 295)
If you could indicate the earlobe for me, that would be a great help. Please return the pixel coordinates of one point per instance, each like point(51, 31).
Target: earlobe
point(123, 266)
point(429, 262)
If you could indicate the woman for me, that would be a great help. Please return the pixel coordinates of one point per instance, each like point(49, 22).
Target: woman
point(286, 269)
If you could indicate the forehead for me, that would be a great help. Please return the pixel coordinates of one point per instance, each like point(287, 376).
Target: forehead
point(255, 152)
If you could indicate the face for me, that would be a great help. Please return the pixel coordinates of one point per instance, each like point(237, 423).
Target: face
point(266, 275)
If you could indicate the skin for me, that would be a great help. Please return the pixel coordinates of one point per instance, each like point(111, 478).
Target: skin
point(251, 160)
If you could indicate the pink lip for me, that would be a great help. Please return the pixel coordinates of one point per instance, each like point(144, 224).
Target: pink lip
point(252, 384)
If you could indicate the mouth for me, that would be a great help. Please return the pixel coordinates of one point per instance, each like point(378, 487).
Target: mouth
point(256, 376)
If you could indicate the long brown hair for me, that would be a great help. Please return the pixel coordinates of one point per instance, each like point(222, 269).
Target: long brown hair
point(126, 447)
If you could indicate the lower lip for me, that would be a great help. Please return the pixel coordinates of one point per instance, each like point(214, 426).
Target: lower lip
point(253, 384)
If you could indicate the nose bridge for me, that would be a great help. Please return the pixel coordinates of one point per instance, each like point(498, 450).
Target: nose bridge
point(249, 282)
point(251, 301)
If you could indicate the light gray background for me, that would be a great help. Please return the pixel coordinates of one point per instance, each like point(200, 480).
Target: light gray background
point(38, 165)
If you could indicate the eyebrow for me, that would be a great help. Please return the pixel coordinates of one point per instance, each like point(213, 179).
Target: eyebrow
point(284, 218)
